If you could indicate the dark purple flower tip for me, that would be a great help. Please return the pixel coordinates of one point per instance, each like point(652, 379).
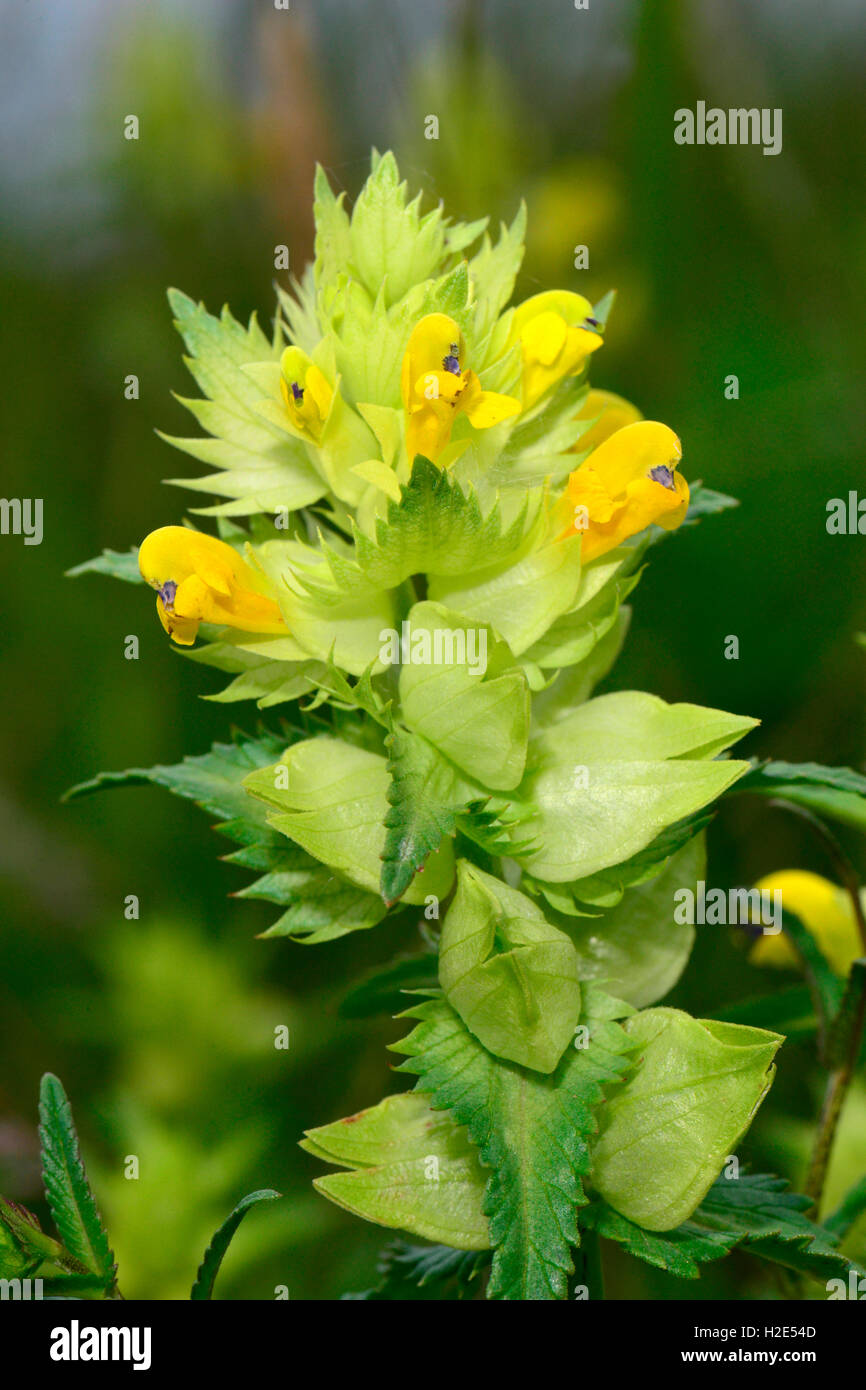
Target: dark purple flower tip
point(664, 475)
point(451, 363)
point(592, 323)
point(297, 392)
point(167, 593)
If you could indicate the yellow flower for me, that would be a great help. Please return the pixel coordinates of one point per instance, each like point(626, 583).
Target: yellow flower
point(436, 388)
point(557, 333)
point(823, 908)
point(200, 579)
point(608, 413)
point(306, 392)
point(629, 481)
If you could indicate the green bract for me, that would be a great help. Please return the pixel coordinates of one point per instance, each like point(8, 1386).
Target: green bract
point(668, 1129)
point(510, 975)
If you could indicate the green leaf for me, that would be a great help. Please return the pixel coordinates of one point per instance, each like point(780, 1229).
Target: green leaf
point(839, 793)
point(679, 1252)
point(25, 1249)
point(509, 974)
point(638, 948)
point(410, 1169)
point(66, 1187)
point(213, 780)
point(493, 272)
point(533, 1130)
point(667, 1130)
point(261, 467)
point(428, 1272)
point(826, 988)
point(460, 689)
point(437, 527)
point(318, 904)
point(392, 245)
point(770, 1222)
point(424, 795)
point(119, 564)
point(618, 771)
point(330, 797)
point(209, 1268)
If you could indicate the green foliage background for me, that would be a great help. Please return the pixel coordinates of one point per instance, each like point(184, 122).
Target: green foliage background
point(726, 262)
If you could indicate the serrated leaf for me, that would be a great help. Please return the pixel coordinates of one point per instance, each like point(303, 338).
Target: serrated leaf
point(119, 564)
point(424, 796)
point(330, 797)
point(428, 1272)
point(679, 1252)
point(209, 1268)
point(66, 1187)
point(261, 466)
point(533, 1130)
point(770, 1221)
point(437, 527)
point(839, 793)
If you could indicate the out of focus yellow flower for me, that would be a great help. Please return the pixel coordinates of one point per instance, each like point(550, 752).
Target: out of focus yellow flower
point(436, 388)
point(627, 483)
point(608, 413)
point(557, 333)
point(825, 910)
point(306, 392)
point(199, 579)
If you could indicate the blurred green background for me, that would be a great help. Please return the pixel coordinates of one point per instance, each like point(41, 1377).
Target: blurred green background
point(726, 261)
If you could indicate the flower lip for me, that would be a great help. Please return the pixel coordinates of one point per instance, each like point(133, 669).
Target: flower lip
point(664, 475)
point(167, 592)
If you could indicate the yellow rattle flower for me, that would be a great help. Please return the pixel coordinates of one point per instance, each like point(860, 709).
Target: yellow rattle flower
point(624, 485)
point(825, 910)
point(557, 333)
point(199, 579)
point(306, 392)
point(436, 388)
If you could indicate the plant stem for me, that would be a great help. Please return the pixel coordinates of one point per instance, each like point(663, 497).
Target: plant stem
point(834, 1097)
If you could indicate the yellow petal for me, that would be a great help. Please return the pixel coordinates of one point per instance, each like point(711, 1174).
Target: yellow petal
point(486, 408)
point(823, 908)
point(181, 630)
point(608, 414)
point(430, 342)
point(427, 433)
point(544, 337)
point(573, 308)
